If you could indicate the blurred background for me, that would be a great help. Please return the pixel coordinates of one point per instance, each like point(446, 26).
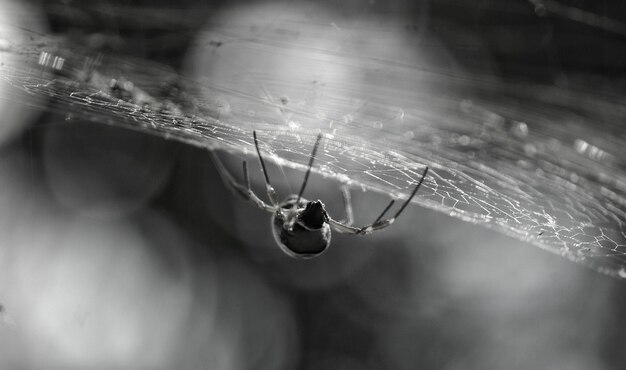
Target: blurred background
point(121, 250)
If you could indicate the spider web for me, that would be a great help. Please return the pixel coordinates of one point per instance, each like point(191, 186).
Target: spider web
point(542, 164)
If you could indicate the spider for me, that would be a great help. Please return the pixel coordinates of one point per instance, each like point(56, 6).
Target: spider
point(302, 228)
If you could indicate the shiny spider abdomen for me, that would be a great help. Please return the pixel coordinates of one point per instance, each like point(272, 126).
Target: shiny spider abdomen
point(301, 229)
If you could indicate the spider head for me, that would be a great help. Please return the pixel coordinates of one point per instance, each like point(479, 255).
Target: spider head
point(301, 230)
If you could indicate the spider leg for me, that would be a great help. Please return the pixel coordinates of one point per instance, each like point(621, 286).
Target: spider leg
point(343, 228)
point(347, 204)
point(379, 223)
point(271, 193)
point(245, 191)
point(347, 229)
point(382, 214)
point(308, 170)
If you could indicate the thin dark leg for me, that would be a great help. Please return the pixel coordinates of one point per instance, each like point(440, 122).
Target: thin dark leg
point(412, 194)
point(308, 171)
point(380, 223)
point(258, 152)
point(385, 211)
point(246, 193)
point(271, 193)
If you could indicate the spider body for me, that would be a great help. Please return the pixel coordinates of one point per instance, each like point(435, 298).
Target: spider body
point(302, 228)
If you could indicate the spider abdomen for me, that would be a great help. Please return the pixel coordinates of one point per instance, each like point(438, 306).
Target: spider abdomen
point(303, 233)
